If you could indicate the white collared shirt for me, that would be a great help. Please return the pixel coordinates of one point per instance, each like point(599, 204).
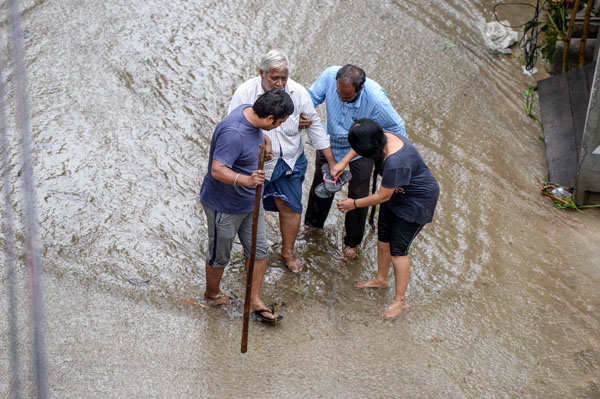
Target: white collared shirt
point(286, 139)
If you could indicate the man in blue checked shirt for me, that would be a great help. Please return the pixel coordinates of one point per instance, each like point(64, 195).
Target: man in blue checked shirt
point(348, 94)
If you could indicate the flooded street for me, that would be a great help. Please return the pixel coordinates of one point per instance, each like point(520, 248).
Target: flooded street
point(124, 98)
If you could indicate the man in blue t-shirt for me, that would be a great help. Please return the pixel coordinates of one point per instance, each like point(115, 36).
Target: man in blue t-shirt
point(227, 193)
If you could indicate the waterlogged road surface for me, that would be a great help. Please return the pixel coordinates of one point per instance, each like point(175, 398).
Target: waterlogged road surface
point(125, 96)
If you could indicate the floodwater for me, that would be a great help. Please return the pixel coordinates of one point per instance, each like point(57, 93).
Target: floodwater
point(125, 96)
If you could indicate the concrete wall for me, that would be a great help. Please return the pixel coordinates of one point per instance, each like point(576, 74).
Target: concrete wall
point(588, 171)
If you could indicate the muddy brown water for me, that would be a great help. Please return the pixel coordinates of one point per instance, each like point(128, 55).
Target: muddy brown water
point(125, 96)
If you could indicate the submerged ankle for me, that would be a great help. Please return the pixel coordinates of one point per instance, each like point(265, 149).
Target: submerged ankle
point(257, 303)
point(382, 280)
point(212, 294)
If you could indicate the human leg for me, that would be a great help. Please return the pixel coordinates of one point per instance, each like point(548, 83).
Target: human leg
point(401, 277)
point(384, 258)
point(260, 267)
point(221, 231)
point(284, 194)
point(213, 291)
point(289, 223)
point(354, 222)
point(401, 238)
point(260, 310)
point(318, 208)
point(260, 262)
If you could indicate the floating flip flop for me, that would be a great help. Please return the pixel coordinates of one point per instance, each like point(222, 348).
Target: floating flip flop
point(334, 185)
point(322, 192)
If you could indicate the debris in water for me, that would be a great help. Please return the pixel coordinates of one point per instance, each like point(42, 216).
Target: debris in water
point(497, 36)
point(562, 197)
point(561, 192)
point(296, 291)
point(528, 72)
point(138, 281)
point(190, 302)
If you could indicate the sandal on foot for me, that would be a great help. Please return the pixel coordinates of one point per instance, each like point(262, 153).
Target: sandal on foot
point(220, 300)
point(275, 306)
point(259, 316)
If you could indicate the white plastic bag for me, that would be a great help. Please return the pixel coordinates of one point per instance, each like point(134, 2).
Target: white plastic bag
point(498, 38)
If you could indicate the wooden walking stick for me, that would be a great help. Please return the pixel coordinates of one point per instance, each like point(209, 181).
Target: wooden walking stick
point(250, 273)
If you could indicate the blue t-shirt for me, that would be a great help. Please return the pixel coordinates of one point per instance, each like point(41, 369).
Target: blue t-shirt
point(235, 144)
point(417, 190)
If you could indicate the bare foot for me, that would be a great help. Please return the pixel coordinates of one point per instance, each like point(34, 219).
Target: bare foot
point(218, 299)
point(371, 284)
point(395, 309)
point(349, 253)
point(291, 263)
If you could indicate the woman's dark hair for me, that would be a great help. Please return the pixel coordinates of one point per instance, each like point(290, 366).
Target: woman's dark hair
point(352, 74)
point(366, 137)
point(274, 102)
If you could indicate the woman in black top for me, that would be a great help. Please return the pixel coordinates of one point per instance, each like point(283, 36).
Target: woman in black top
point(408, 195)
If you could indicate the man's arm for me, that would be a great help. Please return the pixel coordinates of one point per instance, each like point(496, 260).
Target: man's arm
point(304, 122)
point(227, 149)
point(388, 118)
point(338, 168)
point(268, 148)
point(328, 154)
point(318, 90)
point(222, 173)
point(318, 137)
point(315, 131)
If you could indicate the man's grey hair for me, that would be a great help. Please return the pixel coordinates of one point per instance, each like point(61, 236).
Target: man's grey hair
point(273, 59)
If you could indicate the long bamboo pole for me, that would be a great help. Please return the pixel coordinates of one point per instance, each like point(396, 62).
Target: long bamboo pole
point(586, 23)
point(250, 272)
point(569, 34)
point(32, 234)
point(13, 334)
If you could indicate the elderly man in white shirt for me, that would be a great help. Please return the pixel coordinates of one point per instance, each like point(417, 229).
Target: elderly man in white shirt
point(285, 172)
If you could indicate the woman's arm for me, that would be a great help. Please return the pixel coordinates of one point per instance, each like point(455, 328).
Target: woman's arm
point(383, 195)
point(338, 168)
